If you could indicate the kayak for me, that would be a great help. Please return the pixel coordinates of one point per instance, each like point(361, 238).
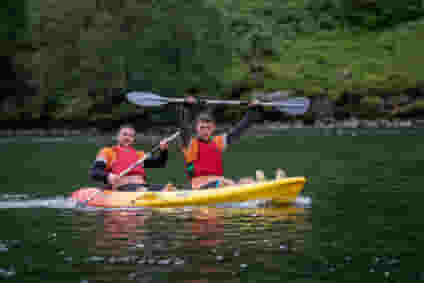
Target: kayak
point(281, 191)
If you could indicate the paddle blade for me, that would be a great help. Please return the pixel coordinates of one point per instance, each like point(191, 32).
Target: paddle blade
point(146, 98)
point(293, 106)
point(273, 96)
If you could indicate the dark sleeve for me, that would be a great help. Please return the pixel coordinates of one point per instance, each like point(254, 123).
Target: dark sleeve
point(98, 172)
point(248, 119)
point(157, 161)
point(186, 117)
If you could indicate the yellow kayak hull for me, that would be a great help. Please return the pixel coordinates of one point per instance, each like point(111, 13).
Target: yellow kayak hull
point(282, 191)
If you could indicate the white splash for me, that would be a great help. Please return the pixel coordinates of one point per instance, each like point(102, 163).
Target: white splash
point(303, 201)
point(55, 202)
point(245, 204)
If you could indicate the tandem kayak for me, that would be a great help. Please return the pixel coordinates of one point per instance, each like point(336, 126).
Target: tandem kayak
point(282, 191)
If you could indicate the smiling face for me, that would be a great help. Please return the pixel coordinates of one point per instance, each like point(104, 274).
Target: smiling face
point(205, 129)
point(126, 136)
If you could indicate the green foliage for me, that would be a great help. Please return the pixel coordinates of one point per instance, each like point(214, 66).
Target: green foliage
point(14, 17)
point(371, 106)
point(416, 108)
point(185, 46)
point(235, 75)
point(257, 26)
point(163, 115)
point(368, 48)
point(371, 14)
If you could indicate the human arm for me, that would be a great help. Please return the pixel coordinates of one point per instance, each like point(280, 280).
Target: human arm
point(98, 171)
point(158, 160)
point(253, 114)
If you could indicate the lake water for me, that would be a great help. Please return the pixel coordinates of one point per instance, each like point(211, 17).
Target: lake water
point(358, 218)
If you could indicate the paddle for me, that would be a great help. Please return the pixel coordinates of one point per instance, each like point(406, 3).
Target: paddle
point(135, 164)
point(148, 155)
point(292, 106)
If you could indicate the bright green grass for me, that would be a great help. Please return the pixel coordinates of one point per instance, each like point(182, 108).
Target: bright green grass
point(363, 63)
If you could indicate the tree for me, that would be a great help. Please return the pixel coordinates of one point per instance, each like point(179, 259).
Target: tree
point(183, 45)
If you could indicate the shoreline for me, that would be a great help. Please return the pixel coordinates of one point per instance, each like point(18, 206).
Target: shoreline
point(257, 128)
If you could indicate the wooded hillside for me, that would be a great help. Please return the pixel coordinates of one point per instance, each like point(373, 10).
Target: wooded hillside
point(75, 60)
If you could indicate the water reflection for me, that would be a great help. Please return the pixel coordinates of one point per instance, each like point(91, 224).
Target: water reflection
point(188, 244)
point(117, 229)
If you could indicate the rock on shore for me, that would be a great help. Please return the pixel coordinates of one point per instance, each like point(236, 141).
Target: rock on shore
point(153, 135)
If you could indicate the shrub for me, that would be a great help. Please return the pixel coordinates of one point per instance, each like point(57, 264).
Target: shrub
point(371, 14)
point(371, 106)
point(414, 109)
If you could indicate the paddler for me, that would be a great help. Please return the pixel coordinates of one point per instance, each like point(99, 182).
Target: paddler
point(111, 161)
point(203, 151)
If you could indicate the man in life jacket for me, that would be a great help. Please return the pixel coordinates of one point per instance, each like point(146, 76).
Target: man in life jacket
point(111, 161)
point(203, 151)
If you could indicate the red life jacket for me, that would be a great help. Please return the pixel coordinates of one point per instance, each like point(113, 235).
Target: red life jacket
point(124, 158)
point(205, 156)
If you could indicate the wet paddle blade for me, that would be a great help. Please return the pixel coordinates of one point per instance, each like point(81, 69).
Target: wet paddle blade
point(293, 106)
point(273, 96)
point(146, 99)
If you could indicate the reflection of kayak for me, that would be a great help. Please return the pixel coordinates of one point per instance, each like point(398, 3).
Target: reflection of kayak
point(279, 191)
point(245, 215)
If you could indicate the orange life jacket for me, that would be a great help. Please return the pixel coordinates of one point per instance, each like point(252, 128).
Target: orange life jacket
point(119, 158)
point(204, 158)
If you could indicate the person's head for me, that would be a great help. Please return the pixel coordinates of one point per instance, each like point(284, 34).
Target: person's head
point(205, 126)
point(126, 135)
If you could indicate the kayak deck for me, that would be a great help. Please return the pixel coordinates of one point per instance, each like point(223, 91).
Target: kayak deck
point(280, 191)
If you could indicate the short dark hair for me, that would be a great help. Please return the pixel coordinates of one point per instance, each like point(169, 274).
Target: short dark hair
point(126, 126)
point(205, 117)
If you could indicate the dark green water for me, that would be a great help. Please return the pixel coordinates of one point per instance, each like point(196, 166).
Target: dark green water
point(362, 219)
